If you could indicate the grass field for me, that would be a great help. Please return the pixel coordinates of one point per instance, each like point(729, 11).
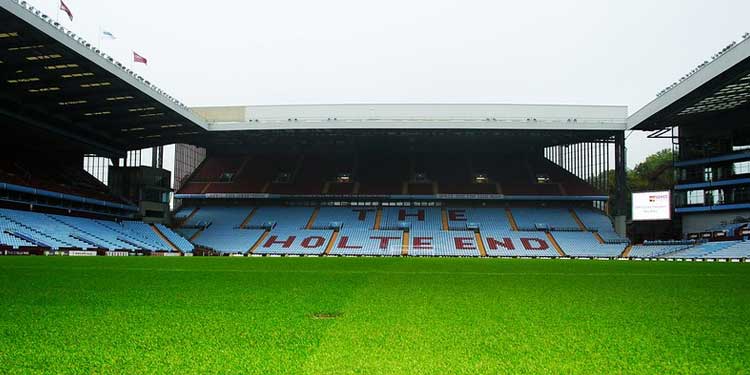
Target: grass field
point(371, 316)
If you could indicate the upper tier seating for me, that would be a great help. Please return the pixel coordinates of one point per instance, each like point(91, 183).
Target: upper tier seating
point(506, 243)
point(584, 244)
point(349, 217)
point(281, 217)
point(541, 218)
point(383, 174)
point(56, 176)
point(438, 243)
point(486, 218)
point(598, 221)
point(291, 241)
point(368, 242)
point(23, 228)
point(418, 218)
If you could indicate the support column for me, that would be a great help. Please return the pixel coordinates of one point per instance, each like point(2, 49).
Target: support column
point(621, 191)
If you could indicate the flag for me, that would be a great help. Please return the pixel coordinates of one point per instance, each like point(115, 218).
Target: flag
point(65, 9)
point(139, 59)
point(108, 35)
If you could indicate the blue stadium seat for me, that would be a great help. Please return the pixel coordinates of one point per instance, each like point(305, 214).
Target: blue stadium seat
point(531, 218)
point(368, 242)
point(486, 218)
point(349, 217)
point(438, 243)
point(23, 228)
point(506, 243)
point(290, 241)
point(418, 218)
point(584, 244)
point(598, 221)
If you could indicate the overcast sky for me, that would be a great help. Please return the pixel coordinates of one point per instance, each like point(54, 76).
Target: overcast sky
point(400, 51)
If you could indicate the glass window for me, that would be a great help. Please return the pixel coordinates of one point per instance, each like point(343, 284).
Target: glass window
point(696, 197)
point(741, 167)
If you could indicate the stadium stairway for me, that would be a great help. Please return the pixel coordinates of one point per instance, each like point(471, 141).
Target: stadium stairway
point(578, 220)
point(444, 218)
point(598, 237)
point(405, 244)
point(164, 238)
point(511, 219)
point(259, 241)
point(480, 244)
point(556, 245)
point(188, 217)
point(313, 217)
point(334, 238)
point(196, 235)
point(378, 218)
point(248, 218)
point(626, 253)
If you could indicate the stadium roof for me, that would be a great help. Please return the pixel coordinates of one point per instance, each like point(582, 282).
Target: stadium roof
point(425, 126)
point(54, 81)
point(416, 116)
point(720, 88)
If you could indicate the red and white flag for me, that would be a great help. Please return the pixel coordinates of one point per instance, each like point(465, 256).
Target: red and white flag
point(65, 9)
point(139, 59)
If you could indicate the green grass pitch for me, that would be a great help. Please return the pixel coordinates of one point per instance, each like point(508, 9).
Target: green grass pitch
point(371, 316)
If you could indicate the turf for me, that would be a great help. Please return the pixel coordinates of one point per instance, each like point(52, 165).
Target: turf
point(371, 316)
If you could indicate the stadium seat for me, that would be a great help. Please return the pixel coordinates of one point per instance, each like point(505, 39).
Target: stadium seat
point(584, 244)
point(530, 218)
point(416, 218)
point(506, 243)
point(349, 217)
point(438, 243)
point(290, 241)
point(368, 242)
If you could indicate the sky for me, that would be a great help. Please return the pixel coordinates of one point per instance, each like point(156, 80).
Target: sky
point(413, 51)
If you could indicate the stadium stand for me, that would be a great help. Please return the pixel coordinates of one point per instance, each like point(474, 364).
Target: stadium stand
point(293, 218)
point(416, 218)
point(738, 249)
point(705, 250)
point(487, 219)
point(584, 244)
point(506, 243)
point(57, 232)
point(290, 241)
point(597, 221)
point(60, 176)
point(653, 251)
point(381, 174)
point(534, 218)
point(368, 242)
point(437, 243)
point(221, 228)
point(181, 242)
point(347, 218)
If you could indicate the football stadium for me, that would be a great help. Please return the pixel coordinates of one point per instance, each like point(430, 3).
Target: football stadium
point(362, 238)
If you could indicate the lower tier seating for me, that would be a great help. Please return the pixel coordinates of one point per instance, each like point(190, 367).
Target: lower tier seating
point(584, 244)
point(437, 243)
point(505, 243)
point(295, 242)
point(32, 229)
point(368, 242)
